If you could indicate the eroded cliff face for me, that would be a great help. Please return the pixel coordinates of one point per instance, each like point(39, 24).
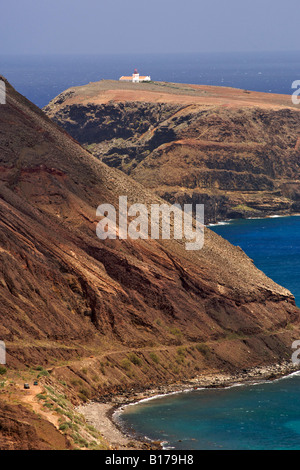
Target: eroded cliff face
point(21, 429)
point(233, 150)
point(70, 301)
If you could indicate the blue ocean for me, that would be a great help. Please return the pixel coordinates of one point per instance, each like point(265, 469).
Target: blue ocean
point(262, 416)
point(41, 78)
point(274, 245)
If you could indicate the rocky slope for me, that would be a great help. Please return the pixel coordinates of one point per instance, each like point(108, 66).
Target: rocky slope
point(234, 150)
point(105, 316)
point(21, 429)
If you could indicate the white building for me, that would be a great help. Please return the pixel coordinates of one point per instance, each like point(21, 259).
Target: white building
point(135, 78)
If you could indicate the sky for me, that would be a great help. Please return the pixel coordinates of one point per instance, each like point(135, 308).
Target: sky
point(147, 26)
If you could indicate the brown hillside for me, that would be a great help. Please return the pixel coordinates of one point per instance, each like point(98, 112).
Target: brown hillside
point(110, 316)
point(65, 295)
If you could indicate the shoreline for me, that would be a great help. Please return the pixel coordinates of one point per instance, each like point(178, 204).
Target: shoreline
point(228, 221)
point(103, 415)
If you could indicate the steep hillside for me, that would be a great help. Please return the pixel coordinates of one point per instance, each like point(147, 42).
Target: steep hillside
point(105, 316)
point(234, 150)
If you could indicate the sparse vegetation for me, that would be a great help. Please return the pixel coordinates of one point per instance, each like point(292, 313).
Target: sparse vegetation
point(154, 357)
point(203, 349)
point(243, 208)
point(64, 426)
point(137, 361)
point(181, 352)
point(126, 364)
point(43, 373)
point(176, 332)
point(84, 394)
point(41, 396)
point(70, 423)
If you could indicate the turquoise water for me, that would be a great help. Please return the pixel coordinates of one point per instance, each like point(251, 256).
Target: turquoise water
point(262, 416)
point(259, 417)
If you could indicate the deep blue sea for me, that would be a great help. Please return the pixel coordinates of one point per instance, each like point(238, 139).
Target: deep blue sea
point(41, 78)
point(273, 244)
point(263, 416)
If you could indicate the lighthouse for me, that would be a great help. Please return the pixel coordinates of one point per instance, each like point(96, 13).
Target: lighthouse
point(135, 78)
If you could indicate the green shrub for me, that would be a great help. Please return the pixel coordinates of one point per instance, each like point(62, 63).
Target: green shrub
point(85, 392)
point(154, 357)
point(176, 332)
point(3, 370)
point(93, 445)
point(181, 352)
point(79, 440)
point(43, 373)
point(41, 396)
point(137, 361)
point(203, 349)
point(48, 405)
point(67, 413)
point(83, 397)
point(64, 426)
point(125, 364)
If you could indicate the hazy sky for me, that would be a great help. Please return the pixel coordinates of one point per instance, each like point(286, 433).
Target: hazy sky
point(137, 26)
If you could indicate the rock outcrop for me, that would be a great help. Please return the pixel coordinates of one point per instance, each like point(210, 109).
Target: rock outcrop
point(234, 150)
point(21, 429)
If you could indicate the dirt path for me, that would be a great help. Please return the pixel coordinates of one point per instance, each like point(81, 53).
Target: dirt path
point(30, 397)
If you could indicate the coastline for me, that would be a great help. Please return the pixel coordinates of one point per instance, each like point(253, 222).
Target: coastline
point(109, 410)
point(103, 415)
point(228, 221)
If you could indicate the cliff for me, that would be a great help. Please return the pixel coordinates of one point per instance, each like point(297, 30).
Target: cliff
point(105, 316)
point(234, 150)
